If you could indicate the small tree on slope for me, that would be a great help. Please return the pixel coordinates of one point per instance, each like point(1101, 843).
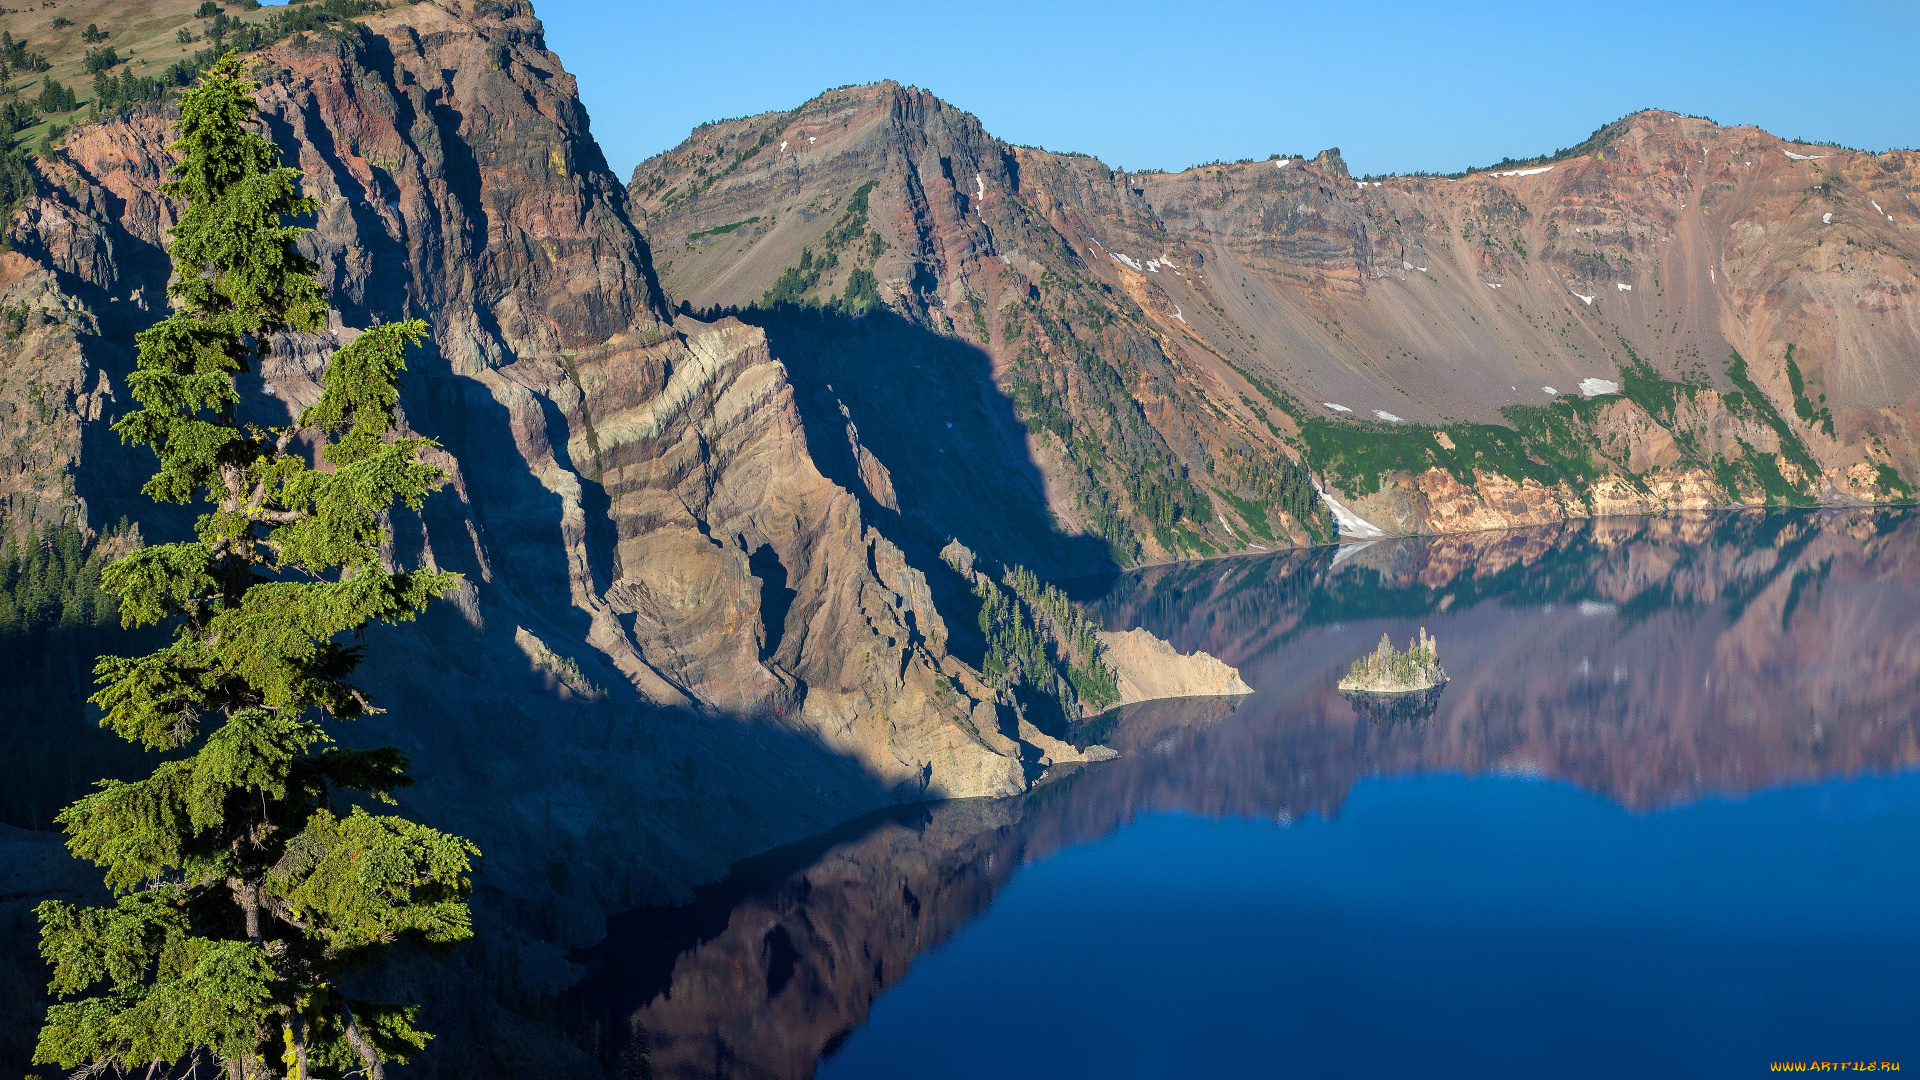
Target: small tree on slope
point(250, 875)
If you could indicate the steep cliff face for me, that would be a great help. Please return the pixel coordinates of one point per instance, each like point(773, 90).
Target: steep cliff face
point(1673, 315)
point(681, 639)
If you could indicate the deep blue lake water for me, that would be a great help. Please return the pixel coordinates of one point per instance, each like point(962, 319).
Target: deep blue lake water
point(1441, 926)
point(1665, 819)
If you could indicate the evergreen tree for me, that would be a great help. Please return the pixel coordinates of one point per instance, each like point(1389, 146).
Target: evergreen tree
point(250, 874)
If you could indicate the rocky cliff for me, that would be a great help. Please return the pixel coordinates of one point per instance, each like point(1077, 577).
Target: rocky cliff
point(681, 638)
point(693, 625)
point(1673, 314)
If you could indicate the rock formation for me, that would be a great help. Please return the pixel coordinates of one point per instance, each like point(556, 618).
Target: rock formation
point(1149, 668)
point(682, 639)
point(1387, 670)
point(1671, 315)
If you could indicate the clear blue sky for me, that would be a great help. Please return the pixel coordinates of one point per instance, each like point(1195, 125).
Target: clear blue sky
point(1398, 85)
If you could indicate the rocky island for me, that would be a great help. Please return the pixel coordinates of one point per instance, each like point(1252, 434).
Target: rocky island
point(1387, 684)
point(1387, 671)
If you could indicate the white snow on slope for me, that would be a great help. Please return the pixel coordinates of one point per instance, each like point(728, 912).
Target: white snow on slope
point(1350, 523)
point(1803, 157)
point(783, 146)
point(1826, 219)
point(1125, 260)
point(1597, 387)
point(1493, 284)
point(1405, 265)
point(1623, 286)
point(1526, 172)
point(981, 181)
point(1177, 315)
point(1711, 276)
point(1281, 164)
point(1387, 416)
point(1551, 390)
point(1336, 408)
point(1588, 299)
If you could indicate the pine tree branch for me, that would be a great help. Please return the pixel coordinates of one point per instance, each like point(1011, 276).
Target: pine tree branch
point(368, 1055)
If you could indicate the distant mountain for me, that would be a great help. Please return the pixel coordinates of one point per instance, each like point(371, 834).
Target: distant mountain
point(1673, 314)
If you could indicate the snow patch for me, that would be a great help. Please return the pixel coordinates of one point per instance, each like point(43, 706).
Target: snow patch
point(1711, 276)
point(1493, 284)
point(1388, 417)
point(1526, 172)
point(1623, 286)
point(1336, 408)
point(1125, 260)
point(1350, 523)
point(1281, 164)
point(783, 146)
point(1588, 299)
point(1177, 315)
point(1550, 390)
point(981, 181)
point(1597, 387)
point(1826, 219)
point(1803, 157)
point(1405, 265)
point(1590, 608)
point(1153, 266)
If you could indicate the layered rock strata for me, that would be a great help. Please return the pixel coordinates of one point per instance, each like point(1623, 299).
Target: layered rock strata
point(1673, 314)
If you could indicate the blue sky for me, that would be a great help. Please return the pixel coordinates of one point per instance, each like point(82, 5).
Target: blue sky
point(1398, 85)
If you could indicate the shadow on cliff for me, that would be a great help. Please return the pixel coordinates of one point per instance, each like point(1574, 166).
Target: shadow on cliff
point(925, 405)
point(912, 423)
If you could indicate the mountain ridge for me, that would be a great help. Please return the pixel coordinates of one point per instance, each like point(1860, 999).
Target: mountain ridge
point(1707, 406)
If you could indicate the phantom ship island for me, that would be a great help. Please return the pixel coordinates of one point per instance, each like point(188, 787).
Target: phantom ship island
point(1387, 684)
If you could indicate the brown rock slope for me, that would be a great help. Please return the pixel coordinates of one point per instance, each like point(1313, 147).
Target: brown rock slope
point(683, 639)
point(1673, 314)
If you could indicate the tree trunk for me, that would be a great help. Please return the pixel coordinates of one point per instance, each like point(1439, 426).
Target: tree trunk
point(368, 1055)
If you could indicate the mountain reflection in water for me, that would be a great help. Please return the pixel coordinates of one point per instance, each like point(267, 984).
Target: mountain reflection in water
point(1656, 662)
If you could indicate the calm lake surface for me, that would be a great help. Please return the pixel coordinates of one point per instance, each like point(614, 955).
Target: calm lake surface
point(1664, 819)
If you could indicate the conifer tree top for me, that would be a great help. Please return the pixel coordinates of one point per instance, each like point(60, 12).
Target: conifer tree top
point(251, 869)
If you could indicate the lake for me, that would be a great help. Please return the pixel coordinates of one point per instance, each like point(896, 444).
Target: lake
point(1663, 818)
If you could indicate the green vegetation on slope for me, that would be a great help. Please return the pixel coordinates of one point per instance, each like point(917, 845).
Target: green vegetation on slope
point(862, 292)
point(53, 613)
point(1075, 637)
point(1549, 444)
point(1557, 444)
point(1820, 415)
point(1105, 433)
point(1041, 647)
